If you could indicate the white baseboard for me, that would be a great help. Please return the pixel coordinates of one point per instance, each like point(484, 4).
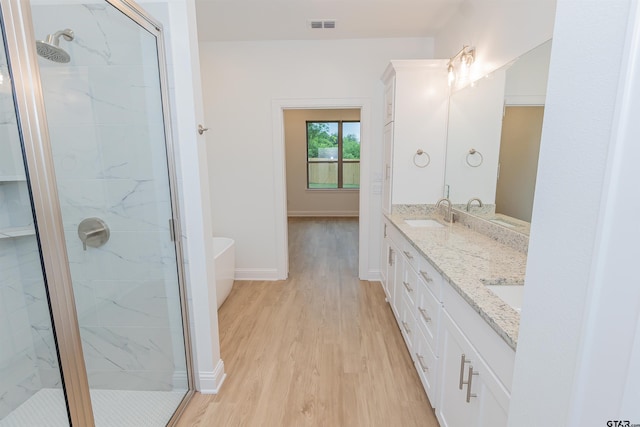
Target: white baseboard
point(210, 382)
point(323, 213)
point(374, 276)
point(257, 274)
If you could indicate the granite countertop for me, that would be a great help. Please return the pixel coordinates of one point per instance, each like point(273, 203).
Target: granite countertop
point(468, 260)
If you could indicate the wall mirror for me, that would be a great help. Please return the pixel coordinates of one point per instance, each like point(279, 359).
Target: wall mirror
point(493, 140)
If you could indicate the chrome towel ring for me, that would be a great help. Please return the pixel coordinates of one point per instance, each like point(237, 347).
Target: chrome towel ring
point(418, 159)
point(474, 158)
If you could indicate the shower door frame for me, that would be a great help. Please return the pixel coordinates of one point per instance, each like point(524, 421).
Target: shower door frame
point(134, 12)
point(154, 27)
point(33, 127)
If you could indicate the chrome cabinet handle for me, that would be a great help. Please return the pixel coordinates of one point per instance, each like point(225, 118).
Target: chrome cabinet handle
point(385, 230)
point(463, 361)
point(424, 314)
point(390, 256)
point(408, 286)
point(426, 276)
point(406, 327)
point(468, 383)
point(408, 254)
point(202, 129)
point(421, 362)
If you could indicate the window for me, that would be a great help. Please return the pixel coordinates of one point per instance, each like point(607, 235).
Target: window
point(333, 154)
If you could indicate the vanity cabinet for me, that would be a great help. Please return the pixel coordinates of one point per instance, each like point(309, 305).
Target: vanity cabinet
point(415, 118)
point(414, 304)
point(465, 367)
point(394, 268)
point(470, 394)
point(476, 368)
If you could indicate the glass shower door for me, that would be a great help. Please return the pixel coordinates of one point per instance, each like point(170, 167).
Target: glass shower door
point(31, 391)
point(103, 97)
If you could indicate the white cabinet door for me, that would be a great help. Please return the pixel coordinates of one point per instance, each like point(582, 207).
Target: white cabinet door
point(387, 168)
point(470, 394)
point(387, 268)
point(390, 270)
point(389, 100)
point(428, 313)
point(408, 325)
point(409, 284)
point(399, 274)
point(426, 365)
point(453, 410)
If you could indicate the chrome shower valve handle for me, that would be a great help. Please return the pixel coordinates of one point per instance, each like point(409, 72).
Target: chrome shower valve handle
point(93, 232)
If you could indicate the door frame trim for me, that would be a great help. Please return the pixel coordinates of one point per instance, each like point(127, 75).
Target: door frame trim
point(280, 179)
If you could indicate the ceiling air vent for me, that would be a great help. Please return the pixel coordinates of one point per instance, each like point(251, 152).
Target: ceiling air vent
point(322, 23)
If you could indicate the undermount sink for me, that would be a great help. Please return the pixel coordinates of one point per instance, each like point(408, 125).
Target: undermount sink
point(510, 294)
point(422, 223)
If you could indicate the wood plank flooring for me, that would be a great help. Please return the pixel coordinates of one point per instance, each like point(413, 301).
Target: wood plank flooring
point(319, 349)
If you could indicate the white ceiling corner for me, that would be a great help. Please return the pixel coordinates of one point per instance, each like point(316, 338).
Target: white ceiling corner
point(243, 20)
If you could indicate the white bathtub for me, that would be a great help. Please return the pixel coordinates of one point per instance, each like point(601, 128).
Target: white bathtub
point(225, 266)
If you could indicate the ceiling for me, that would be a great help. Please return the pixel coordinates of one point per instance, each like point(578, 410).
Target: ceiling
point(236, 20)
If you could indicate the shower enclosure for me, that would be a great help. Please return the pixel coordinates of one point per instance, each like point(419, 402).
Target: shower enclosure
point(93, 326)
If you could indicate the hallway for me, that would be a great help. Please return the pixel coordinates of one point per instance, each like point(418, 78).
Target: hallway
point(321, 348)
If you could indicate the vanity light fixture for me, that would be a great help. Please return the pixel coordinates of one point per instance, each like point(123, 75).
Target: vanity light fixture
point(466, 56)
point(451, 74)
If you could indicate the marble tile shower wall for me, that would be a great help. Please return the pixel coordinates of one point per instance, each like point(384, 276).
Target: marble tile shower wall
point(27, 362)
point(105, 121)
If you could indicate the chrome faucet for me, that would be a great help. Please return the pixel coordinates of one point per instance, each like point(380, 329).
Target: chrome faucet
point(475, 199)
point(449, 216)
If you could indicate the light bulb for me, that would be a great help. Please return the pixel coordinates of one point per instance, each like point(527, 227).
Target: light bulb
point(451, 76)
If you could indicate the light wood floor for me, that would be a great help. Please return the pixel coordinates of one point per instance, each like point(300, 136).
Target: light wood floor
point(320, 349)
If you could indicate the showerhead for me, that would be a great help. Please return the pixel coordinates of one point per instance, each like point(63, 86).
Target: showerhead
point(50, 48)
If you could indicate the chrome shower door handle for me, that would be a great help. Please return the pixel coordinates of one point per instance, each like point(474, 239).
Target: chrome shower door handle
point(93, 232)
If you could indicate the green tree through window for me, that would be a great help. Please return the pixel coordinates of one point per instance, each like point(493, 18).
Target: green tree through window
point(333, 154)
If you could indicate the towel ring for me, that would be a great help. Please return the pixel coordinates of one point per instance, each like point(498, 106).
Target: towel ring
point(470, 157)
point(417, 156)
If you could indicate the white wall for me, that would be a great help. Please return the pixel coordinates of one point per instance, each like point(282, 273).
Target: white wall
point(240, 81)
point(300, 200)
point(575, 363)
point(500, 30)
point(527, 79)
point(179, 20)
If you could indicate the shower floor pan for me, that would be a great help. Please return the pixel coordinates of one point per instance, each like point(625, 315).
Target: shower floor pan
point(121, 408)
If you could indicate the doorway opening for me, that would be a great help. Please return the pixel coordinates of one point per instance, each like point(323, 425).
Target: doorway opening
point(322, 107)
point(322, 150)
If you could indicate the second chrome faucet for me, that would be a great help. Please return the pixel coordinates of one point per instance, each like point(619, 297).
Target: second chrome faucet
point(475, 199)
